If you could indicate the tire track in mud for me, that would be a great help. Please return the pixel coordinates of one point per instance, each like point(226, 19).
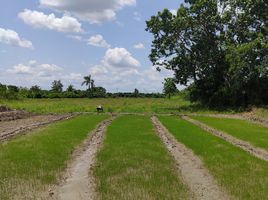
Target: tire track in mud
point(79, 182)
point(246, 146)
point(5, 135)
point(201, 183)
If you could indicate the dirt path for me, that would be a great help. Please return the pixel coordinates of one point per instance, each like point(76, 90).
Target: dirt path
point(246, 146)
point(195, 175)
point(9, 129)
point(79, 182)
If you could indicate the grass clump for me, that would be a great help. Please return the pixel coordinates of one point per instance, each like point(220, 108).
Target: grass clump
point(255, 134)
point(134, 164)
point(28, 164)
point(242, 175)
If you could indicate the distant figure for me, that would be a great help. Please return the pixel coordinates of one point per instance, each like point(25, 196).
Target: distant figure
point(99, 108)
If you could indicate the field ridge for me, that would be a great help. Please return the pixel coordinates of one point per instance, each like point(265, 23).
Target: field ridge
point(246, 146)
point(79, 182)
point(195, 175)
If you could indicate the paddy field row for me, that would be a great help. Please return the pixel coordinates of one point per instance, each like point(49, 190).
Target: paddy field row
point(134, 161)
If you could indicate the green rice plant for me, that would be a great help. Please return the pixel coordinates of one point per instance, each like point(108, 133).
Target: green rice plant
point(255, 134)
point(241, 174)
point(28, 164)
point(134, 164)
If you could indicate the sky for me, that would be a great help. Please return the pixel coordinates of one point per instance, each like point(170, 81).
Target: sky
point(46, 40)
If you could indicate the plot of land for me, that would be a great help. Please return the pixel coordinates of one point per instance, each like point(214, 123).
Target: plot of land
point(244, 130)
point(29, 164)
point(242, 175)
point(13, 127)
point(134, 164)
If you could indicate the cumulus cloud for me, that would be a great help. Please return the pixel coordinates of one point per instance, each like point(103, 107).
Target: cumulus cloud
point(93, 11)
point(35, 70)
point(119, 58)
point(139, 46)
point(120, 71)
point(51, 22)
point(34, 73)
point(98, 41)
point(11, 37)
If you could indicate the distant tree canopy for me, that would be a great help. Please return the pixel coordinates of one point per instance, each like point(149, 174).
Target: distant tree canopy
point(57, 86)
point(220, 47)
point(169, 87)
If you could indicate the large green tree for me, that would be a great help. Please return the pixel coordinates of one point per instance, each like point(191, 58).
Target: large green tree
point(218, 46)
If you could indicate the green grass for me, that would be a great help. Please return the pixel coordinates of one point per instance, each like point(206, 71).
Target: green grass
point(30, 163)
point(134, 164)
point(133, 105)
point(244, 176)
point(244, 130)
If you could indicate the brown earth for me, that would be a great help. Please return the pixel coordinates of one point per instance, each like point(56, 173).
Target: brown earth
point(246, 146)
point(12, 128)
point(200, 182)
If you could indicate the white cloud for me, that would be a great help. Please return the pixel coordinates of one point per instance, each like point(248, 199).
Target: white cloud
point(119, 58)
point(35, 70)
point(51, 22)
point(11, 37)
point(98, 41)
point(119, 71)
point(93, 11)
point(34, 73)
point(139, 46)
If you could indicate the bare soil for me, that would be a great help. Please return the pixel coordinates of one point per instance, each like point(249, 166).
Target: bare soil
point(9, 129)
point(7, 115)
point(246, 146)
point(79, 182)
point(200, 182)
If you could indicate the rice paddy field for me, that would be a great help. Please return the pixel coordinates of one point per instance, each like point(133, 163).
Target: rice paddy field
point(129, 159)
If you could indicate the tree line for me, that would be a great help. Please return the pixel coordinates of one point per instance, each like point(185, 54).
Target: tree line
point(217, 48)
point(57, 91)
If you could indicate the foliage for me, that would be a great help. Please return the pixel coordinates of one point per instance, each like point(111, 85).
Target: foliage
point(169, 87)
point(57, 86)
point(219, 46)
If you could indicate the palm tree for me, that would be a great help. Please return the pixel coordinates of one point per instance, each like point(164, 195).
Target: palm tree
point(87, 81)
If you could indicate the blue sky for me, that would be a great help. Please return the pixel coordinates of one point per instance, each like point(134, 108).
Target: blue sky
point(46, 40)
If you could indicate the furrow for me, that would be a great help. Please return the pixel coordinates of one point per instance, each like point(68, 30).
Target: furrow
point(246, 146)
point(195, 175)
point(79, 182)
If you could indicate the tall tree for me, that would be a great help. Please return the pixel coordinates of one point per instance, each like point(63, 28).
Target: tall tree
point(169, 87)
point(57, 86)
point(88, 81)
point(218, 46)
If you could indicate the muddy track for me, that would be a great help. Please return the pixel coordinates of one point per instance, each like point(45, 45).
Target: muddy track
point(79, 182)
point(12, 132)
point(246, 146)
point(200, 182)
